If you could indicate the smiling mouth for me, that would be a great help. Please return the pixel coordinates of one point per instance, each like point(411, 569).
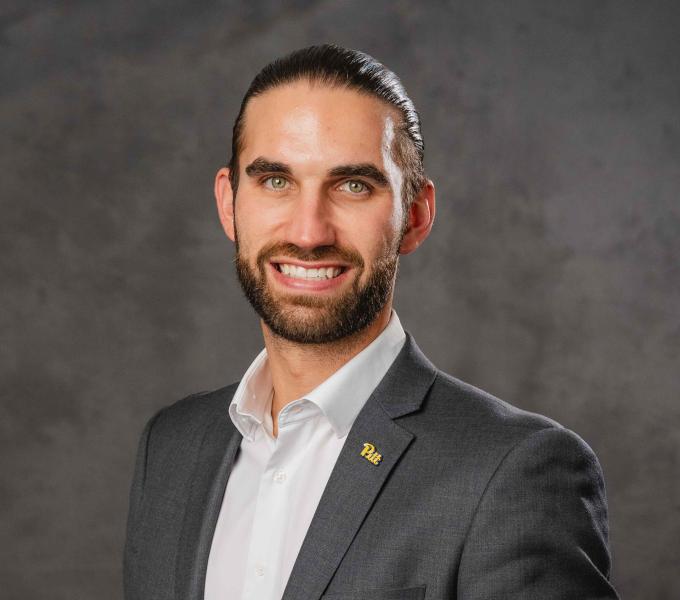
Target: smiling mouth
point(309, 274)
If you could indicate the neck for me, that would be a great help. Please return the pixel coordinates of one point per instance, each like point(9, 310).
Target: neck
point(297, 369)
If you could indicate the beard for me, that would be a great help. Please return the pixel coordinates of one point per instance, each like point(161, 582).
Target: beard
point(306, 318)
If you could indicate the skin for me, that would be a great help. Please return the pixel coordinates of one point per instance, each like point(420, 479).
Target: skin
point(311, 129)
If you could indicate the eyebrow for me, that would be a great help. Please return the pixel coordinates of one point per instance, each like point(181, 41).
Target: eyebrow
point(263, 166)
point(367, 170)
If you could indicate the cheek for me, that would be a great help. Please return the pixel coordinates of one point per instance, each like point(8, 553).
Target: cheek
point(245, 236)
point(377, 244)
point(249, 222)
point(259, 217)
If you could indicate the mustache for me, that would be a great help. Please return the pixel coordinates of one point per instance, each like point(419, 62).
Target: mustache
point(318, 253)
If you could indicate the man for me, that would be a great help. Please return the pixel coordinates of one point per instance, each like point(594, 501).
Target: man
point(344, 465)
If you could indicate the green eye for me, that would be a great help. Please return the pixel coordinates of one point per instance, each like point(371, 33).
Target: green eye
point(275, 183)
point(355, 187)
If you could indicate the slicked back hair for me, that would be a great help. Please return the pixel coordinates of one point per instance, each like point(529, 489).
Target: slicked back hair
point(335, 66)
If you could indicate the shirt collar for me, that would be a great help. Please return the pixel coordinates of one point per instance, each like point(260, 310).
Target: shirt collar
point(340, 397)
point(252, 397)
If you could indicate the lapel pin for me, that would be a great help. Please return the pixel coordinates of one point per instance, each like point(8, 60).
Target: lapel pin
point(370, 454)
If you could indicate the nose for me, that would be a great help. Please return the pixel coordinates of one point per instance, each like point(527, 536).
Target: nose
point(310, 221)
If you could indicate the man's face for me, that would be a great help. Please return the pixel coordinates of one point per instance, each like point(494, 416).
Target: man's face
point(318, 213)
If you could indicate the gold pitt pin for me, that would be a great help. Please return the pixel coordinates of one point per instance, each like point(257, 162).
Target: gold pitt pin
point(370, 454)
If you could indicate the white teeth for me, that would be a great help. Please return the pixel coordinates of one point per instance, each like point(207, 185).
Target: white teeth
point(297, 272)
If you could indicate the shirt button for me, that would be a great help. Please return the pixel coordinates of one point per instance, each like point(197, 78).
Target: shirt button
point(280, 476)
point(259, 570)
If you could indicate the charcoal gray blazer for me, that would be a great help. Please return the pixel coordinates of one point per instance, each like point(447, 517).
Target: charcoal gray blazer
point(472, 499)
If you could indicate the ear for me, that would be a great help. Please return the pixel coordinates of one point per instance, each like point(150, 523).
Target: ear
point(420, 219)
point(225, 201)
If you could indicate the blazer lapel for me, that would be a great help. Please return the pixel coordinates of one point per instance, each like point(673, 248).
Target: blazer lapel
point(213, 467)
point(355, 481)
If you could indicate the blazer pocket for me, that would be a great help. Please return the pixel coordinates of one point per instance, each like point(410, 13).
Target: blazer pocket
point(413, 593)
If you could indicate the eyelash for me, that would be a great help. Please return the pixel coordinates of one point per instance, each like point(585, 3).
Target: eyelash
point(367, 187)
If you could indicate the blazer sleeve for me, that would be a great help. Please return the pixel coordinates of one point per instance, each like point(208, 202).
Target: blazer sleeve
point(540, 529)
point(135, 503)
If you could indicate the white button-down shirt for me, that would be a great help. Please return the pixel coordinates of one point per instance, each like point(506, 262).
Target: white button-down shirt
point(276, 483)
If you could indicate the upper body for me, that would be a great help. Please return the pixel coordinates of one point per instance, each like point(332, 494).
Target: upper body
point(419, 486)
point(473, 499)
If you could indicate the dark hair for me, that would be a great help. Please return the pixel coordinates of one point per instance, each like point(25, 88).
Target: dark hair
point(336, 66)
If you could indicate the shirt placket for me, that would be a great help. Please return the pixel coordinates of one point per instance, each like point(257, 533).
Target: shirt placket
point(271, 509)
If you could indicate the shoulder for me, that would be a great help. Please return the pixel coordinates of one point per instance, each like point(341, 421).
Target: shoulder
point(451, 395)
point(189, 417)
point(535, 495)
point(198, 405)
point(455, 402)
point(475, 426)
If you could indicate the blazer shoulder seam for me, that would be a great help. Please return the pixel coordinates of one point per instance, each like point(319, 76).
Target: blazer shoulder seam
point(524, 439)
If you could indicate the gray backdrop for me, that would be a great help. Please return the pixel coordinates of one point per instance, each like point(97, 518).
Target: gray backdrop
point(551, 279)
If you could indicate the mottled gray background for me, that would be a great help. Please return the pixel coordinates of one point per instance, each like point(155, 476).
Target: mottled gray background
point(551, 279)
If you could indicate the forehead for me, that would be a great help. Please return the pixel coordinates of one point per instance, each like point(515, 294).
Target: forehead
point(307, 123)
